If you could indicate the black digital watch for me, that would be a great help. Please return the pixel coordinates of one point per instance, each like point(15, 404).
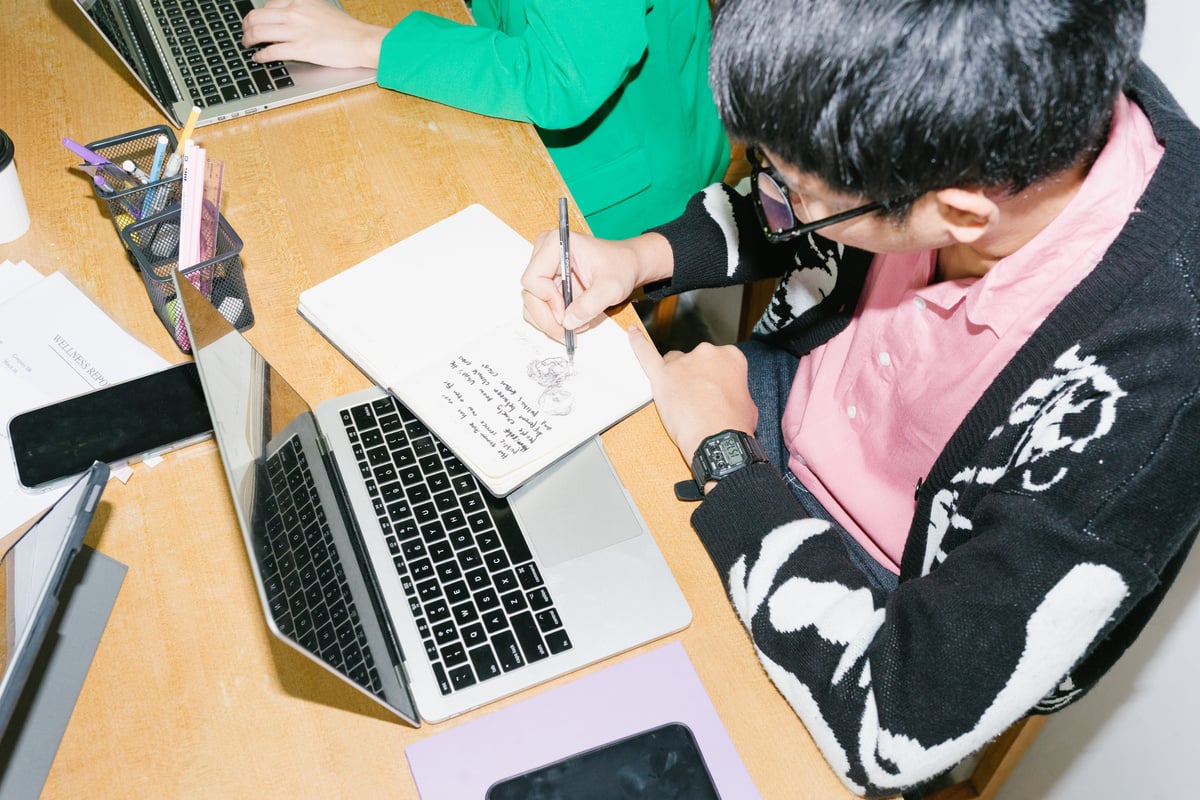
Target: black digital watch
point(721, 455)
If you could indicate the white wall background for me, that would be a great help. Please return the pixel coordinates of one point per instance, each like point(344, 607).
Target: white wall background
point(1135, 735)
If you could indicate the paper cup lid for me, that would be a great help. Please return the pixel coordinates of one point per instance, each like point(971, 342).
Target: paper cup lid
point(6, 150)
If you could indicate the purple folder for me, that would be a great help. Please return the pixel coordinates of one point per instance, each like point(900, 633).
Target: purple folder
point(642, 692)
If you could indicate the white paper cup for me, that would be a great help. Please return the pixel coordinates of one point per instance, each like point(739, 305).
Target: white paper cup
point(14, 215)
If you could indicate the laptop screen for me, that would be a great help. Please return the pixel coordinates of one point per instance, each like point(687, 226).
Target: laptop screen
point(316, 590)
point(127, 34)
point(33, 563)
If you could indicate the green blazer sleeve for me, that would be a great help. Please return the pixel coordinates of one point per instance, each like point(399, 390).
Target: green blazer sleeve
point(550, 62)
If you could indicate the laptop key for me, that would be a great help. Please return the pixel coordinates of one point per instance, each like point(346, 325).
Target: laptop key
point(487, 599)
point(473, 636)
point(456, 592)
point(439, 674)
point(495, 620)
point(469, 558)
point(539, 599)
point(548, 620)
point(529, 575)
point(528, 637)
point(465, 613)
point(454, 654)
point(514, 602)
point(444, 632)
point(506, 581)
point(558, 641)
point(461, 677)
point(508, 652)
point(429, 590)
point(484, 662)
point(437, 610)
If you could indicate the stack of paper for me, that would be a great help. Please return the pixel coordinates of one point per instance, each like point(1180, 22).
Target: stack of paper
point(55, 343)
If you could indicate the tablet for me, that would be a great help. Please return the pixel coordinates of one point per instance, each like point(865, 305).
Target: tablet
point(33, 563)
point(663, 763)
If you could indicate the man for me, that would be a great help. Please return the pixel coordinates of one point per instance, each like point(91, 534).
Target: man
point(975, 397)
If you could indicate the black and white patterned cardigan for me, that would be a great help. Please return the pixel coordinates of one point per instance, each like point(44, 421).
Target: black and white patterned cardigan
point(1046, 532)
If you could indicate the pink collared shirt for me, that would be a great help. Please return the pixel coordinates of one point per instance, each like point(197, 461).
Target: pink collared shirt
point(871, 409)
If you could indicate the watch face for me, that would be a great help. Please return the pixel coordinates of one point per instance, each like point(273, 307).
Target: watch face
point(724, 453)
point(727, 452)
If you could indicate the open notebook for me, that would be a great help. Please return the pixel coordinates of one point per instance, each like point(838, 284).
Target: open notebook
point(437, 320)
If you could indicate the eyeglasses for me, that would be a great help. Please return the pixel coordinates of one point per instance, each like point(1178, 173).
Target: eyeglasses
point(773, 203)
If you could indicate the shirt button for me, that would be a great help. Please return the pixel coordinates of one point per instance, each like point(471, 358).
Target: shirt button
point(851, 411)
point(919, 302)
point(885, 359)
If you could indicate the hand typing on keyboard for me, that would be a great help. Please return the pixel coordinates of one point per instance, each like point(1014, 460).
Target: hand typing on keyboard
point(312, 31)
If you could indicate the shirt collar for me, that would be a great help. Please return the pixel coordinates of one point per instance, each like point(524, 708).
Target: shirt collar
point(1095, 215)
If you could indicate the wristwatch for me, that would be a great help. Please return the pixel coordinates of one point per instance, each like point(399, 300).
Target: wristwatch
point(723, 454)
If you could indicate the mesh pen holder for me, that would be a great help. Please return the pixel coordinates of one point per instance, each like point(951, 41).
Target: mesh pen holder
point(128, 205)
point(154, 244)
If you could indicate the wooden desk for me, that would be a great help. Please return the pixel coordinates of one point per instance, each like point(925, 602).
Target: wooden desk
point(188, 695)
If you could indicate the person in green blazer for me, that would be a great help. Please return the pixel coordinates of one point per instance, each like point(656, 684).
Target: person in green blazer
point(618, 89)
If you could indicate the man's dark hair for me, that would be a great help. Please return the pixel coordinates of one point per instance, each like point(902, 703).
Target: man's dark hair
point(890, 99)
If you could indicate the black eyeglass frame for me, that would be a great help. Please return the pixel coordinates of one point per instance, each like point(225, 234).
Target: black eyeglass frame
point(755, 157)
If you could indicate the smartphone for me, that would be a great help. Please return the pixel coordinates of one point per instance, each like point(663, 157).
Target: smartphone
point(121, 422)
point(662, 763)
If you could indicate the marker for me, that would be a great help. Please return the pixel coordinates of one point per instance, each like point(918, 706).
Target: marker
point(188, 127)
point(173, 165)
point(151, 203)
point(564, 235)
point(160, 153)
point(84, 153)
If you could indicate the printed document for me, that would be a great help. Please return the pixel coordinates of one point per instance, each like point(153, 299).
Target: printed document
point(55, 343)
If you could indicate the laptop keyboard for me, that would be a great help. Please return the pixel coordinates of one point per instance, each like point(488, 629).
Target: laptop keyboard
point(478, 598)
point(306, 587)
point(206, 36)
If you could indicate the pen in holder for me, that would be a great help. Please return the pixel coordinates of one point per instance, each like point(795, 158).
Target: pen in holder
point(154, 243)
point(128, 204)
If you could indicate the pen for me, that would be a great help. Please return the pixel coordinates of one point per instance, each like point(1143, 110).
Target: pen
point(188, 127)
point(564, 235)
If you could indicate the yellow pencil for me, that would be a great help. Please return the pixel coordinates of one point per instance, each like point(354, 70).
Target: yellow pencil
point(186, 133)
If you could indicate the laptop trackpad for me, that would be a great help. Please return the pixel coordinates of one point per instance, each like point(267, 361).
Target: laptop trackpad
point(575, 507)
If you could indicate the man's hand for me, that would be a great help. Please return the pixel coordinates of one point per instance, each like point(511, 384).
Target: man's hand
point(604, 273)
point(698, 393)
point(312, 31)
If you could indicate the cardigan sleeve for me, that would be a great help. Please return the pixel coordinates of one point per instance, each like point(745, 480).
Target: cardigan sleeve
point(898, 687)
point(1024, 575)
point(559, 65)
point(717, 241)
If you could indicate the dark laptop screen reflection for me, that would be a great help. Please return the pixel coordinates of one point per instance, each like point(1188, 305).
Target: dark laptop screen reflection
point(270, 443)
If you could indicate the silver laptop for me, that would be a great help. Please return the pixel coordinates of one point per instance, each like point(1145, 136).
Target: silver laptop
point(33, 562)
point(378, 555)
point(189, 53)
